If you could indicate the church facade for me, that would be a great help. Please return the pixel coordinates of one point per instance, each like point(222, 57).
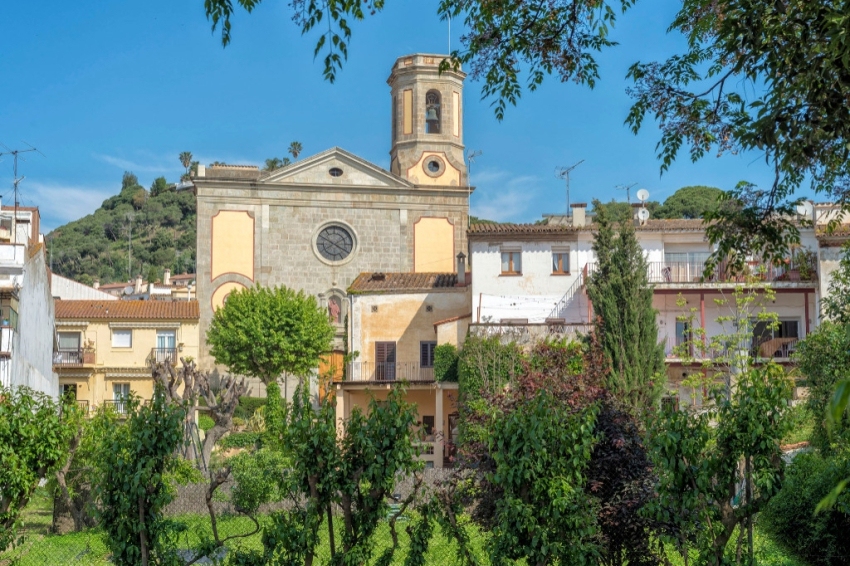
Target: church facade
point(316, 224)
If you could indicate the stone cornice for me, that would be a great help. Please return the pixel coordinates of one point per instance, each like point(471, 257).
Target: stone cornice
point(174, 324)
point(256, 189)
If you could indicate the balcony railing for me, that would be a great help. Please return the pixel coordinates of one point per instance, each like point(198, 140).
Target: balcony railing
point(763, 348)
point(65, 358)
point(117, 405)
point(672, 272)
point(161, 355)
point(525, 332)
point(389, 371)
point(774, 347)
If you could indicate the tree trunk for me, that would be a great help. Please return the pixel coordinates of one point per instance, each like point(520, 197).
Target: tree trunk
point(213, 435)
point(143, 535)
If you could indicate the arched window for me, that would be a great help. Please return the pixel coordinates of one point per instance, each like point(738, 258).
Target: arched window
point(432, 112)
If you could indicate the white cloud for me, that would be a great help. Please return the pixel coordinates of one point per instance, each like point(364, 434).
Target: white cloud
point(503, 197)
point(156, 164)
point(59, 203)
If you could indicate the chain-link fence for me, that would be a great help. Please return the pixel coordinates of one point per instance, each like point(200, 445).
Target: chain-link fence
point(48, 537)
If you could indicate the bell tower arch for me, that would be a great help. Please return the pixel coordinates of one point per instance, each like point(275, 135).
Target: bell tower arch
point(427, 121)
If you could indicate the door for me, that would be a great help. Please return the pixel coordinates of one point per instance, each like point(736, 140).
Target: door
point(166, 346)
point(331, 371)
point(385, 361)
point(69, 348)
point(69, 390)
point(120, 392)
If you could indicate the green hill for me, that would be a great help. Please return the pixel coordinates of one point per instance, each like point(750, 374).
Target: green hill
point(160, 223)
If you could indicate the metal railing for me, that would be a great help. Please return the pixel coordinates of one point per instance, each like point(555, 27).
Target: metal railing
point(389, 371)
point(768, 348)
point(68, 358)
point(560, 309)
point(118, 405)
point(161, 355)
point(672, 272)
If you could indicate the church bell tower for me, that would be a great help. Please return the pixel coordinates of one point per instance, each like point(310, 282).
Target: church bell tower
point(427, 121)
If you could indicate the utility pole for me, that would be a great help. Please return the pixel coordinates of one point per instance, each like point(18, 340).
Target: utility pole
point(15, 182)
point(564, 173)
point(129, 217)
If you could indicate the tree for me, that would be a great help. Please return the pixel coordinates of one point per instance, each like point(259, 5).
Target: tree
point(698, 459)
point(625, 320)
point(132, 489)
point(756, 76)
point(34, 437)
point(159, 185)
point(186, 160)
point(690, 202)
point(275, 163)
point(264, 332)
point(295, 149)
point(621, 210)
point(836, 303)
point(129, 180)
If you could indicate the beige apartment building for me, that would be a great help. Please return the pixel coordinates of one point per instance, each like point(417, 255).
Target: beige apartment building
point(106, 348)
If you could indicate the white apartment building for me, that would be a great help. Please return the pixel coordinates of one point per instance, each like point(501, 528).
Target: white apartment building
point(529, 280)
point(27, 330)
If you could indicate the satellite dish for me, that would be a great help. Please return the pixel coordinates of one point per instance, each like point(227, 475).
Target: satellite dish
point(128, 290)
point(643, 195)
point(643, 215)
point(805, 208)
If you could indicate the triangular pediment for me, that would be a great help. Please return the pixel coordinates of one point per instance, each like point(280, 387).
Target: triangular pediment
point(316, 170)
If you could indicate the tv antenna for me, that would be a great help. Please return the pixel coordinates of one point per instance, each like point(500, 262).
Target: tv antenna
point(17, 180)
point(564, 173)
point(130, 217)
point(628, 189)
point(642, 196)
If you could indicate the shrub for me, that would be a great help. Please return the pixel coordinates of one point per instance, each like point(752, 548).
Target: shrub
point(239, 440)
point(445, 362)
point(247, 406)
point(790, 516)
point(205, 422)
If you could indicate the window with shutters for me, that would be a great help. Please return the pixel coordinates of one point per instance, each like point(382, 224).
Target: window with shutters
point(426, 354)
point(560, 261)
point(69, 341)
point(385, 361)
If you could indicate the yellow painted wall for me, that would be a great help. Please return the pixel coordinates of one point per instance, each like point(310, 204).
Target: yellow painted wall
point(433, 246)
point(449, 177)
point(109, 361)
point(453, 332)
point(456, 113)
point(221, 293)
point(233, 243)
point(407, 111)
point(405, 320)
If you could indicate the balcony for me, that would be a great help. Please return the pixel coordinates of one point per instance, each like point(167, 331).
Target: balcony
point(12, 259)
point(389, 372)
point(162, 355)
point(117, 405)
point(672, 272)
point(523, 332)
point(766, 348)
point(73, 358)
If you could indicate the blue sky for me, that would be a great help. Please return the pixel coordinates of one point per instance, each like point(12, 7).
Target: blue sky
point(104, 87)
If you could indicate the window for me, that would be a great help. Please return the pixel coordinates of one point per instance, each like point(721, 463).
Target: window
point(775, 342)
point(384, 361)
point(428, 425)
point(69, 390)
point(166, 339)
point(69, 341)
point(684, 336)
point(560, 262)
point(120, 393)
point(426, 354)
point(511, 262)
point(432, 112)
point(670, 403)
point(122, 338)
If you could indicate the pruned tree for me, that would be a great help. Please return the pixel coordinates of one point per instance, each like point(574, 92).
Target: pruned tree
point(184, 385)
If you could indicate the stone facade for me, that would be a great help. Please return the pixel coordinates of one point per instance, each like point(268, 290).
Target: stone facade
point(292, 207)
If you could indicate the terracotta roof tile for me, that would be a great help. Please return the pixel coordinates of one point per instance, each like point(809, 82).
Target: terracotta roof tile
point(120, 310)
point(657, 225)
point(402, 282)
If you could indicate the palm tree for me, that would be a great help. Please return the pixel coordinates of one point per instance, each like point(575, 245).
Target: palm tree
point(186, 160)
point(295, 149)
point(272, 164)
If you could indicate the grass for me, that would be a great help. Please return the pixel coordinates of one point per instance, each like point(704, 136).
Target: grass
point(802, 424)
point(89, 548)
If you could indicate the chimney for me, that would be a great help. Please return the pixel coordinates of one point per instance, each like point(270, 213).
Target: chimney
point(166, 278)
point(579, 213)
point(461, 270)
point(96, 284)
point(137, 288)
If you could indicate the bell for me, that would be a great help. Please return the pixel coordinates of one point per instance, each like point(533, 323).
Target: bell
point(431, 114)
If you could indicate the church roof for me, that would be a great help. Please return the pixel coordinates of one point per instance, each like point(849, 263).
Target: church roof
point(403, 283)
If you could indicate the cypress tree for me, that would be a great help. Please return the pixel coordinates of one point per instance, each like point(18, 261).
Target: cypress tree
point(625, 320)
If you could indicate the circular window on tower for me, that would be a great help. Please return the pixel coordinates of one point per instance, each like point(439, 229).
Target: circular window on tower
point(334, 243)
point(434, 166)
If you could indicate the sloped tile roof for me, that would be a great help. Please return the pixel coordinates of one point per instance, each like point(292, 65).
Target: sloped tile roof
point(122, 310)
point(657, 225)
point(402, 282)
